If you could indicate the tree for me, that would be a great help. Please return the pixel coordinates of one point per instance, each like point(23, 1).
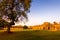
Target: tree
point(55, 23)
point(12, 10)
point(25, 27)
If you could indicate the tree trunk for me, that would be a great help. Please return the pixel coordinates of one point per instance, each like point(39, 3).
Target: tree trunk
point(9, 26)
point(8, 29)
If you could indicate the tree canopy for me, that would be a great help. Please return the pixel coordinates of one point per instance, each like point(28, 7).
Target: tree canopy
point(13, 9)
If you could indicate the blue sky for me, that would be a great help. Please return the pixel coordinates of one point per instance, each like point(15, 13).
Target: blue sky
point(44, 11)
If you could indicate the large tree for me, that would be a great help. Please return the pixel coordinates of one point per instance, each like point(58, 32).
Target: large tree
point(12, 10)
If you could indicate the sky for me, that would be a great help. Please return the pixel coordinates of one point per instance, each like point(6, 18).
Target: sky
point(44, 11)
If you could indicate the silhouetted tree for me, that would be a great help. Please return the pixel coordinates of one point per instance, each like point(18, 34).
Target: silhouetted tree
point(13, 9)
point(25, 27)
point(55, 23)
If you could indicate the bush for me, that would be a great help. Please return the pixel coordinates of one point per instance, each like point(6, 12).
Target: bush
point(25, 27)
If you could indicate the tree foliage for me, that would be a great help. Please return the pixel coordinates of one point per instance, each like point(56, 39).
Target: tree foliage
point(13, 9)
point(3, 23)
point(25, 27)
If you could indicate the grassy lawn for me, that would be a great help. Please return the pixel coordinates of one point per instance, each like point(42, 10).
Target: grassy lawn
point(31, 35)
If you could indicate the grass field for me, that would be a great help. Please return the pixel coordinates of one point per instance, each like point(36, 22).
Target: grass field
point(31, 35)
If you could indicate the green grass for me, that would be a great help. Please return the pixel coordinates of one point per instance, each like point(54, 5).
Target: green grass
point(31, 35)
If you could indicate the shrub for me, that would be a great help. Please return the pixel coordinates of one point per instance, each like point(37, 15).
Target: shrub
point(25, 27)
